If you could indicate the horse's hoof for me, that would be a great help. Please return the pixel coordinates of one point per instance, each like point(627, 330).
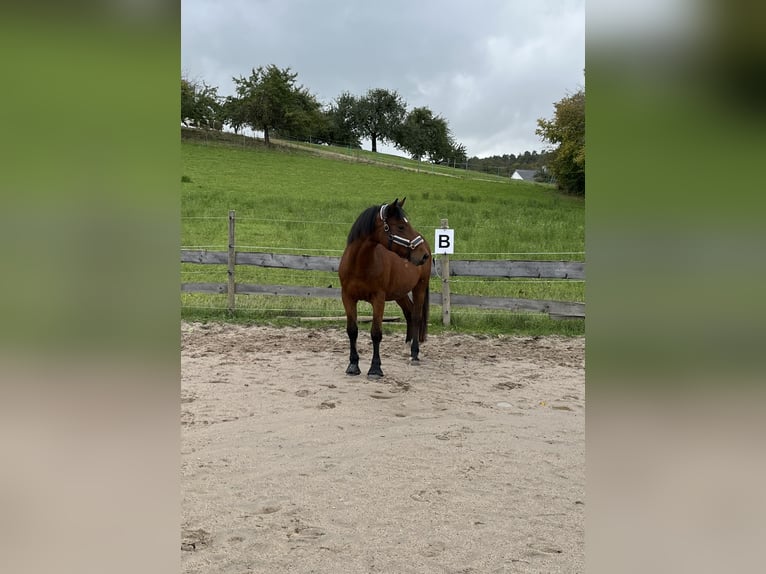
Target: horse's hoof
point(374, 374)
point(353, 370)
point(414, 361)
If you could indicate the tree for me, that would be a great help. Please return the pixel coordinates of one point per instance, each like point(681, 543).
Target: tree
point(458, 153)
point(233, 113)
point(188, 101)
point(567, 129)
point(341, 122)
point(423, 134)
point(445, 147)
point(303, 117)
point(416, 135)
point(200, 104)
point(271, 101)
point(379, 115)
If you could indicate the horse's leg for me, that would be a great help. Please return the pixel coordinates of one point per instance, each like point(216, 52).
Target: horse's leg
point(418, 297)
point(376, 333)
point(353, 332)
point(406, 306)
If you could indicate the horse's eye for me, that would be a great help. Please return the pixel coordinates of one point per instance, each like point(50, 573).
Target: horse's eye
point(401, 228)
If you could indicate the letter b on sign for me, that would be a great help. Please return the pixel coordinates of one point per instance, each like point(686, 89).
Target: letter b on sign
point(444, 241)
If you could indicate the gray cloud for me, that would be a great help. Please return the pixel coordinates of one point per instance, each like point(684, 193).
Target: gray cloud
point(490, 68)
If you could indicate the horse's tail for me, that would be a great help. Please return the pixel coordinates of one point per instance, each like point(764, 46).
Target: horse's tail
point(424, 315)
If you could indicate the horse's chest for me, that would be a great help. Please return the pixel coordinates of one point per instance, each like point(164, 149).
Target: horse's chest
point(378, 273)
point(403, 277)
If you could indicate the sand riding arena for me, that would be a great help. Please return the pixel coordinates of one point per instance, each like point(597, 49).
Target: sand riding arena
point(471, 462)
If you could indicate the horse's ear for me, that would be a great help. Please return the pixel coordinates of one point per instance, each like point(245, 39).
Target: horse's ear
point(401, 203)
point(396, 201)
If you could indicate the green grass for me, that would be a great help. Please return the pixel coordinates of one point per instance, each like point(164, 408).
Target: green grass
point(397, 161)
point(294, 200)
point(350, 153)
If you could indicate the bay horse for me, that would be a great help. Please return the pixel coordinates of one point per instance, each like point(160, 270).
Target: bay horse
point(385, 260)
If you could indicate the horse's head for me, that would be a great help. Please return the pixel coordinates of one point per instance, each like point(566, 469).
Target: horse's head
point(393, 230)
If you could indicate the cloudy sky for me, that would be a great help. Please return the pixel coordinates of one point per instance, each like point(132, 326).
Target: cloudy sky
point(491, 68)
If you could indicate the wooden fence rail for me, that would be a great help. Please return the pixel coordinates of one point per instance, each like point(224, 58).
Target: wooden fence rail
point(466, 268)
point(458, 267)
point(443, 268)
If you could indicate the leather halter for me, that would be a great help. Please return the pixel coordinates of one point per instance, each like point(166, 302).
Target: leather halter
point(410, 244)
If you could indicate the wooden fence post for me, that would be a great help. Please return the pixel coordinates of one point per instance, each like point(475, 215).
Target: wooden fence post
point(232, 261)
point(445, 283)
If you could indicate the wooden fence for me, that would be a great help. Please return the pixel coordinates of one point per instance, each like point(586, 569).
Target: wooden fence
point(465, 268)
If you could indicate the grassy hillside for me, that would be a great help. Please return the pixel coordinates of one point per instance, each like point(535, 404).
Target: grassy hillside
point(294, 200)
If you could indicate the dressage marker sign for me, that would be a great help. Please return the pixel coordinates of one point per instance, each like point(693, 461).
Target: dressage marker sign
point(444, 241)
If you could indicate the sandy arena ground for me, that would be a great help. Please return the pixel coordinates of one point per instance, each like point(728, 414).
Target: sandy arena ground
point(471, 462)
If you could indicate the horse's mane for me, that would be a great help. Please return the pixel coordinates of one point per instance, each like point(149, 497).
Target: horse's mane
point(365, 223)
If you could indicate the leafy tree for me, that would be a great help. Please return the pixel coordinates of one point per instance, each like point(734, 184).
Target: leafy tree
point(423, 134)
point(567, 129)
point(417, 133)
point(188, 101)
point(458, 153)
point(200, 104)
point(379, 115)
point(233, 113)
point(445, 147)
point(271, 101)
point(341, 123)
point(303, 117)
